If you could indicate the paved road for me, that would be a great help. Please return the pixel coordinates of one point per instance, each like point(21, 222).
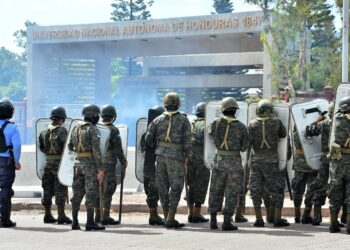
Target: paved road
point(134, 233)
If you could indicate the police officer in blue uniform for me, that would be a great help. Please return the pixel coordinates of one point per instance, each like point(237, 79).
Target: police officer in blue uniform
point(10, 152)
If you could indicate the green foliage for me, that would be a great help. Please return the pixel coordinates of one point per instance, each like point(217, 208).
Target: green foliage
point(127, 10)
point(223, 6)
point(21, 37)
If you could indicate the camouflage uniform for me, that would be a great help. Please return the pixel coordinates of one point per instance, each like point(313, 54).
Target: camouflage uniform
point(170, 133)
point(227, 175)
point(264, 134)
point(304, 177)
point(85, 140)
point(198, 175)
point(339, 170)
point(114, 153)
point(51, 142)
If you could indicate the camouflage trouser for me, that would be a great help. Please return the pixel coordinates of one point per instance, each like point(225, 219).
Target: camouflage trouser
point(226, 181)
point(109, 186)
point(321, 184)
point(304, 181)
point(85, 183)
point(198, 180)
point(266, 174)
point(339, 184)
point(169, 181)
point(52, 187)
point(151, 192)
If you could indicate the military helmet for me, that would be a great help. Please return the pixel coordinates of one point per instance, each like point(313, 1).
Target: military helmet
point(200, 109)
point(264, 108)
point(171, 100)
point(91, 110)
point(158, 108)
point(108, 111)
point(229, 103)
point(59, 112)
point(6, 109)
point(344, 104)
point(331, 109)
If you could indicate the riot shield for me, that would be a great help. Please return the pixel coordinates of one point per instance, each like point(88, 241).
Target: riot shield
point(343, 90)
point(281, 110)
point(141, 128)
point(304, 114)
point(41, 125)
point(123, 130)
point(213, 111)
point(66, 167)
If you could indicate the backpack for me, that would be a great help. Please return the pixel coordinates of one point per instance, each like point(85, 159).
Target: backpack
point(3, 147)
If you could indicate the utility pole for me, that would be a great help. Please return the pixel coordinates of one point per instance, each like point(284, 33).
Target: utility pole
point(345, 45)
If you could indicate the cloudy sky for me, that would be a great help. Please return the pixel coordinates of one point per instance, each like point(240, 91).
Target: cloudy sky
point(14, 13)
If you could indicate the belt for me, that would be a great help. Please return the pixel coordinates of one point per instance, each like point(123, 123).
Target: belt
point(197, 148)
point(169, 145)
point(53, 157)
point(84, 154)
point(299, 152)
point(226, 152)
point(345, 150)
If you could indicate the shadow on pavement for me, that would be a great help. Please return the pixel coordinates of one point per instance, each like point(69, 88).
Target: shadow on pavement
point(41, 229)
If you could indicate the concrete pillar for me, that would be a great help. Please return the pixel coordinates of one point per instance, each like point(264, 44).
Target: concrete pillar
point(103, 78)
point(268, 89)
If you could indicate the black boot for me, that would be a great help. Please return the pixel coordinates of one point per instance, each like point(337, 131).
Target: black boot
point(316, 221)
point(334, 227)
point(48, 218)
point(107, 219)
point(213, 221)
point(306, 219)
point(171, 222)
point(239, 218)
point(227, 226)
point(5, 217)
point(90, 223)
point(62, 218)
point(97, 215)
point(297, 215)
point(259, 222)
point(75, 224)
point(279, 222)
point(197, 216)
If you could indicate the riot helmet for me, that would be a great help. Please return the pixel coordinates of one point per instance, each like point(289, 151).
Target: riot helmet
point(108, 112)
point(58, 112)
point(6, 109)
point(264, 108)
point(200, 109)
point(91, 113)
point(344, 104)
point(171, 101)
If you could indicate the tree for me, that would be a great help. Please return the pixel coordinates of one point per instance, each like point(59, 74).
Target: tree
point(223, 6)
point(21, 37)
point(127, 10)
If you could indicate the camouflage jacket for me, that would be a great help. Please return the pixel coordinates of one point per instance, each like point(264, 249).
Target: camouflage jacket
point(342, 131)
point(85, 137)
point(299, 162)
point(273, 130)
point(114, 148)
point(198, 125)
point(237, 135)
point(322, 128)
point(178, 143)
point(52, 140)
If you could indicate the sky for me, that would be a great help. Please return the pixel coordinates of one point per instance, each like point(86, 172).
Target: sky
point(14, 13)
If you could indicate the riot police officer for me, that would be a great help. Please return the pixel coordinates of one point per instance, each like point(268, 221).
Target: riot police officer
point(10, 152)
point(88, 167)
point(114, 153)
point(51, 143)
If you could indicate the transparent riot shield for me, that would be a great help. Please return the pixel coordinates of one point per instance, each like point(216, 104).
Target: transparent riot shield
point(41, 125)
point(66, 167)
point(141, 128)
point(281, 110)
point(304, 114)
point(213, 110)
point(124, 132)
point(343, 90)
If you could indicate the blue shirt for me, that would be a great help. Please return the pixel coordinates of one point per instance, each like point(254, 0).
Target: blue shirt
point(12, 138)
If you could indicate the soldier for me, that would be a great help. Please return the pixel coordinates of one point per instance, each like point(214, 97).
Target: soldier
point(51, 143)
point(264, 133)
point(304, 179)
point(230, 137)
point(339, 175)
point(10, 152)
point(114, 153)
point(149, 176)
point(88, 168)
point(322, 127)
point(170, 133)
point(198, 175)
